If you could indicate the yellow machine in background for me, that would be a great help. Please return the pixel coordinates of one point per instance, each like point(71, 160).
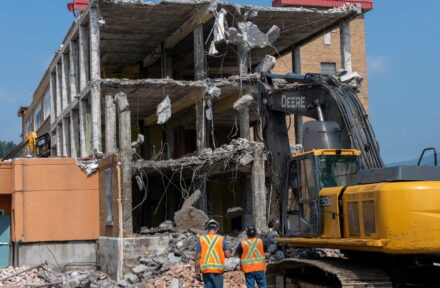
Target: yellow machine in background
point(38, 146)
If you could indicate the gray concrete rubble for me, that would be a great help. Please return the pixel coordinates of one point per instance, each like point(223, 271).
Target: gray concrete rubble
point(227, 155)
point(189, 217)
point(163, 111)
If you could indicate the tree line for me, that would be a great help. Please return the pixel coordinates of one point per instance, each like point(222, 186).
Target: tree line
point(6, 147)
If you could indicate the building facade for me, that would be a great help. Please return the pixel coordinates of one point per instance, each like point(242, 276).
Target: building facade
point(166, 94)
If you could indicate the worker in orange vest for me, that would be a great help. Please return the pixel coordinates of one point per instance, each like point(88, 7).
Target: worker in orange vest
point(211, 252)
point(253, 259)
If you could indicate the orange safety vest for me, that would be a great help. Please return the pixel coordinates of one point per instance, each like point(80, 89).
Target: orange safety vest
point(252, 257)
point(213, 256)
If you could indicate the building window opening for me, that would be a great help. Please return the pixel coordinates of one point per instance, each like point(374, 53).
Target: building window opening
point(328, 68)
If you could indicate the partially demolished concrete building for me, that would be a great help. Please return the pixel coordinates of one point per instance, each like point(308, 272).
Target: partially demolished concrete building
point(162, 93)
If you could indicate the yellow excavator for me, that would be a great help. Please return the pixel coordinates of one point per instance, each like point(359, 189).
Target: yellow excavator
point(38, 146)
point(385, 221)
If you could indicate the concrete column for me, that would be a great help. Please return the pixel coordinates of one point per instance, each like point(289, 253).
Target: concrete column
point(83, 54)
point(200, 125)
point(344, 28)
point(95, 74)
point(53, 97)
point(199, 74)
point(59, 77)
point(73, 60)
point(95, 95)
point(95, 60)
point(59, 140)
point(110, 125)
point(199, 55)
point(244, 123)
point(243, 59)
point(126, 153)
point(66, 137)
point(65, 80)
point(74, 134)
point(82, 127)
point(259, 201)
point(297, 119)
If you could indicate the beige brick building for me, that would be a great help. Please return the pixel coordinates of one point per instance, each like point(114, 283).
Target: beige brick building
point(323, 55)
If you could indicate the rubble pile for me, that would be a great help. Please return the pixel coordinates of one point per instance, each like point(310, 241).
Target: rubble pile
point(181, 276)
point(43, 276)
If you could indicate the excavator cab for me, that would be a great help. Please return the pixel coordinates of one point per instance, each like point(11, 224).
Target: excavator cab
point(308, 173)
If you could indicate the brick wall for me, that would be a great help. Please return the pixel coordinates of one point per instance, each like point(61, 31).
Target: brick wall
point(316, 52)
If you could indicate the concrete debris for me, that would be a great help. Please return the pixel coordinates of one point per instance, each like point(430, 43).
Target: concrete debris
point(219, 30)
point(163, 111)
point(252, 36)
point(266, 64)
point(273, 34)
point(185, 273)
point(88, 166)
point(296, 148)
point(131, 278)
point(234, 212)
point(233, 36)
point(228, 155)
point(45, 276)
point(353, 79)
point(190, 217)
point(139, 141)
point(250, 14)
point(243, 103)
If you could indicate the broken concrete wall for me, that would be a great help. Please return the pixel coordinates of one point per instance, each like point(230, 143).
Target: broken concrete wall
point(118, 256)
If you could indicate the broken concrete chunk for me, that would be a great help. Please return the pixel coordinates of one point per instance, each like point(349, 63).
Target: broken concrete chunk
point(252, 35)
point(243, 102)
point(163, 111)
point(189, 217)
point(139, 141)
point(140, 269)
point(266, 65)
point(232, 263)
point(212, 50)
point(175, 283)
point(219, 26)
point(233, 36)
point(250, 14)
point(273, 34)
point(214, 92)
point(131, 278)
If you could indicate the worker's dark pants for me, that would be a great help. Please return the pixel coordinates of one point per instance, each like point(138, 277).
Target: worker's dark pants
point(258, 277)
point(213, 280)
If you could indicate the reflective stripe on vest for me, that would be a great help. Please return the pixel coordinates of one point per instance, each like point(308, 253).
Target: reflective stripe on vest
point(212, 262)
point(253, 258)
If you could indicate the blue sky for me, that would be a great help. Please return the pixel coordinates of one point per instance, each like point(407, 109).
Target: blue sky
point(402, 53)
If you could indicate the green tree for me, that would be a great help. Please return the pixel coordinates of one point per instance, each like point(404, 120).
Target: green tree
point(6, 147)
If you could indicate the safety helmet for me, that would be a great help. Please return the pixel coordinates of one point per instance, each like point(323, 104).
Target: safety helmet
point(251, 230)
point(212, 224)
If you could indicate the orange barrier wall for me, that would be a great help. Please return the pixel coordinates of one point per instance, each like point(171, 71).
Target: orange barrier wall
point(5, 178)
point(53, 200)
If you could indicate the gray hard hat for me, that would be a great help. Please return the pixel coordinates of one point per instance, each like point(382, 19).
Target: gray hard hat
point(212, 224)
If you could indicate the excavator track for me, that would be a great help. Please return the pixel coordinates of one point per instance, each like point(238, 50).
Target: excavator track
point(324, 272)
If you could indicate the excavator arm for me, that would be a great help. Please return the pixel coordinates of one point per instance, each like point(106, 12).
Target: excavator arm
point(321, 97)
